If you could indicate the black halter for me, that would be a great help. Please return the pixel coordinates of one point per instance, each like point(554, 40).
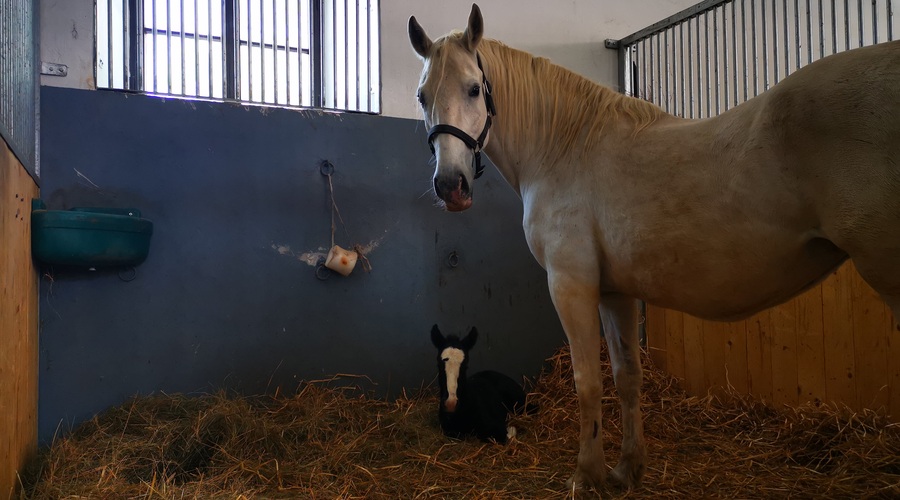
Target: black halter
point(474, 144)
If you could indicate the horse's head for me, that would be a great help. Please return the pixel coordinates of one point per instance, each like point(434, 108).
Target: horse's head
point(452, 361)
point(457, 105)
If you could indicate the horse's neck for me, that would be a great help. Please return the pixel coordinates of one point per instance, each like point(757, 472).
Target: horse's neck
point(547, 117)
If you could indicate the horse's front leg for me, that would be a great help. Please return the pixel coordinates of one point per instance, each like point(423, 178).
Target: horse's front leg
point(576, 299)
point(620, 326)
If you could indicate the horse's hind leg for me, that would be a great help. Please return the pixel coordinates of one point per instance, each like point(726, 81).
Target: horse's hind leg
point(620, 325)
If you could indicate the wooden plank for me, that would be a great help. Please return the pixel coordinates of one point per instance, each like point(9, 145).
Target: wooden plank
point(893, 341)
point(784, 353)
point(736, 356)
point(810, 346)
point(694, 361)
point(759, 355)
point(838, 338)
point(714, 356)
point(655, 326)
point(18, 323)
point(675, 343)
point(871, 345)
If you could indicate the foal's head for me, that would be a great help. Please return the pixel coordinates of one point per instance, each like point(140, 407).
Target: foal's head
point(454, 93)
point(452, 361)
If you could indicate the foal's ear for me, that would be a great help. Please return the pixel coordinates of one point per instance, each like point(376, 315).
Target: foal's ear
point(475, 29)
point(470, 339)
point(417, 38)
point(436, 338)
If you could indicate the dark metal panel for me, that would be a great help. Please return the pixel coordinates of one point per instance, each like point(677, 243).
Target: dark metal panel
point(224, 299)
point(19, 80)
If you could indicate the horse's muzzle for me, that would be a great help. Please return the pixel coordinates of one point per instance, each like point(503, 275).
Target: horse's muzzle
point(455, 192)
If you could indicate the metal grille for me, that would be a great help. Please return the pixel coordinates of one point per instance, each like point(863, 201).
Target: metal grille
point(310, 53)
point(717, 54)
point(19, 80)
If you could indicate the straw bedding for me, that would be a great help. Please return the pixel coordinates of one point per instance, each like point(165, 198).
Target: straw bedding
point(334, 442)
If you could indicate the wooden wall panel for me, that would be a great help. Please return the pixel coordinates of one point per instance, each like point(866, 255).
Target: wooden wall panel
point(18, 323)
point(834, 343)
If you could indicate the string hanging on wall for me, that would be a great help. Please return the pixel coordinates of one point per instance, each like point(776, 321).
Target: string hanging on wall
point(339, 259)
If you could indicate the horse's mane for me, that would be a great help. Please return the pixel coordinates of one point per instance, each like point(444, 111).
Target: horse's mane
point(530, 90)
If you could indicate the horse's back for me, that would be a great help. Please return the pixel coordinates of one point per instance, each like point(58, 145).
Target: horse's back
point(494, 386)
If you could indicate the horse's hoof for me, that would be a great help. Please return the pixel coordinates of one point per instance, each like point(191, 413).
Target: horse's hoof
point(583, 480)
point(628, 474)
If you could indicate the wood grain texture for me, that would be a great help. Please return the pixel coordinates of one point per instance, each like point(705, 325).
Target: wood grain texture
point(836, 343)
point(18, 323)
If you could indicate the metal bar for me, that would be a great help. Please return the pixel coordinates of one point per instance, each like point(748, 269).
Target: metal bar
point(875, 21)
point(300, 52)
point(755, 60)
point(262, 51)
point(287, 51)
point(775, 41)
point(822, 31)
point(684, 102)
point(109, 43)
point(708, 82)
point(196, 52)
point(859, 17)
point(693, 11)
point(317, 40)
point(368, 56)
point(665, 56)
point(846, 24)
point(890, 20)
point(275, 47)
point(690, 72)
point(334, 53)
point(136, 43)
point(808, 33)
point(724, 57)
point(209, 44)
point(715, 17)
point(155, 60)
point(787, 46)
point(734, 58)
point(833, 26)
point(231, 31)
point(765, 48)
point(655, 84)
point(358, 89)
point(346, 57)
point(181, 36)
point(249, 55)
point(699, 71)
point(169, 46)
point(744, 44)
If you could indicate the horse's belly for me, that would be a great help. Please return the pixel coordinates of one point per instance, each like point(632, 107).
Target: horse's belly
point(729, 285)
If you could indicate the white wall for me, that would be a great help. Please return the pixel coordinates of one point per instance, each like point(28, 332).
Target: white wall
point(570, 33)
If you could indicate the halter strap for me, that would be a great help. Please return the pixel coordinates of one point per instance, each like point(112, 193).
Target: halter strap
point(474, 144)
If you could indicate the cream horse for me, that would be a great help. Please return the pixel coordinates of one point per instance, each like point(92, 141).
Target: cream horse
point(720, 217)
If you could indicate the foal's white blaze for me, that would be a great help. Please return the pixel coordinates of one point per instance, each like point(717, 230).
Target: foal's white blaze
point(453, 359)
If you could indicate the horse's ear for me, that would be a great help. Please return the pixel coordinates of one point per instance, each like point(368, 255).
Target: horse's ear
point(418, 39)
point(470, 339)
point(475, 29)
point(436, 338)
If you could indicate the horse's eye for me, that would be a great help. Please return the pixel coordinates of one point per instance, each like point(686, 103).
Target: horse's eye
point(475, 91)
point(421, 99)
point(445, 360)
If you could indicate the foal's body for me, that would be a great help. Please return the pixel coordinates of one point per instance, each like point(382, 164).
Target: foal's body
point(720, 218)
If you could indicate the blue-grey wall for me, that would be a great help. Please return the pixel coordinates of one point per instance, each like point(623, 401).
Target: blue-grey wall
point(224, 300)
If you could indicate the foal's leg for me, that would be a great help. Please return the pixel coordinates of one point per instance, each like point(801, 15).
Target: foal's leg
point(620, 325)
point(576, 302)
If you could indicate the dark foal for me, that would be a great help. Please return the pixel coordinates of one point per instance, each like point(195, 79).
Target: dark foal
point(478, 404)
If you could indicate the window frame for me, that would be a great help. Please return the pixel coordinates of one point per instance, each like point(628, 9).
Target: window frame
point(231, 45)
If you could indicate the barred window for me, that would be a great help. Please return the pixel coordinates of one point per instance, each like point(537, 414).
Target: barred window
point(310, 53)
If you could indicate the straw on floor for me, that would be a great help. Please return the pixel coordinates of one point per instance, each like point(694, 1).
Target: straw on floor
point(336, 442)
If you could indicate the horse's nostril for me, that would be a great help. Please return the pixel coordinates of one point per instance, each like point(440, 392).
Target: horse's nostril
point(463, 185)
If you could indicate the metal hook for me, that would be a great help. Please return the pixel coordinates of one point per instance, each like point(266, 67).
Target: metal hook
point(453, 259)
point(128, 274)
point(326, 168)
point(322, 272)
